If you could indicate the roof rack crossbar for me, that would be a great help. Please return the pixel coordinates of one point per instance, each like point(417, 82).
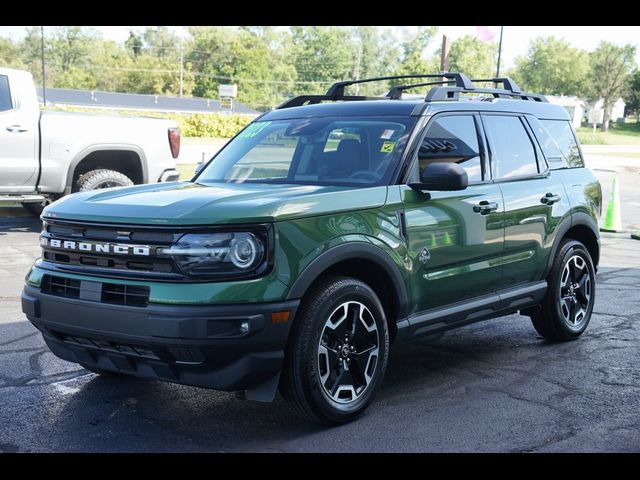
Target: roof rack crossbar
point(312, 99)
point(507, 82)
point(453, 93)
point(461, 80)
point(396, 92)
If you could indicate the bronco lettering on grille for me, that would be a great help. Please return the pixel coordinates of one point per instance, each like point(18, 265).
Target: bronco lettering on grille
point(94, 247)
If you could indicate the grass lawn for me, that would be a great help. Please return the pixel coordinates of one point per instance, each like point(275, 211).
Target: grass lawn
point(618, 134)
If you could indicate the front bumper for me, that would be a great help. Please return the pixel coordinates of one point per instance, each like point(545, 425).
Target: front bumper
point(224, 347)
point(170, 175)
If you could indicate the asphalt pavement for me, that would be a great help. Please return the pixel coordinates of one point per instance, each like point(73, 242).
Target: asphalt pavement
point(495, 386)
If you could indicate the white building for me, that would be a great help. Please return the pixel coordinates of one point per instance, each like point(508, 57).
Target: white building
point(573, 105)
point(617, 112)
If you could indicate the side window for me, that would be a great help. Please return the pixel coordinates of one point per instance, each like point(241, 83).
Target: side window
point(453, 139)
point(5, 94)
point(512, 153)
point(561, 132)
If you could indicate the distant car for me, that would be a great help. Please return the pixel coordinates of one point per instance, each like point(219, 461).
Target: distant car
point(47, 155)
point(322, 233)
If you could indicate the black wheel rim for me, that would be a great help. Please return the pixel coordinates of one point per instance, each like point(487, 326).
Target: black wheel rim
point(575, 292)
point(348, 352)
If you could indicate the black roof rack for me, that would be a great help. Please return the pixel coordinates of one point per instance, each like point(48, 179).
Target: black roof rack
point(444, 91)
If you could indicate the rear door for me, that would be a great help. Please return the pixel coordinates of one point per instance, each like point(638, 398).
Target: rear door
point(455, 239)
point(18, 155)
point(535, 201)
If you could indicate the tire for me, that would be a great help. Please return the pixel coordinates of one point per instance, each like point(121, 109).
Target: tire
point(328, 378)
point(34, 209)
point(566, 310)
point(101, 178)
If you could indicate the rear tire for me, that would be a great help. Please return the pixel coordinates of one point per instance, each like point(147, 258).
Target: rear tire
point(34, 209)
point(101, 178)
point(337, 353)
point(566, 309)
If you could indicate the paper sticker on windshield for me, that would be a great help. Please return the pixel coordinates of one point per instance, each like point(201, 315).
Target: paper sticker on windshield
point(387, 134)
point(254, 129)
point(387, 147)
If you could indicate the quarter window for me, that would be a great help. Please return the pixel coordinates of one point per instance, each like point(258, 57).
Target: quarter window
point(452, 139)
point(560, 131)
point(5, 94)
point(512, 153)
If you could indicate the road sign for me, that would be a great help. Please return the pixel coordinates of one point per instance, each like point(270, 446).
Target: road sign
point(226, 104)
point(596, 115)
point(228, 90)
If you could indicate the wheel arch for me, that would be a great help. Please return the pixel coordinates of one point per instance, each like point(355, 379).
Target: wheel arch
point(127, 159)
point(366, 262)
point(583, 228)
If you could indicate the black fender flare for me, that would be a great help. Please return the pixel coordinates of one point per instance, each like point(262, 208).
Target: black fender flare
point(578, 218)
point(351, 251)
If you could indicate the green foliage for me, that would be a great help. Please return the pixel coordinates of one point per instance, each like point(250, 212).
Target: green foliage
point(473, 57)
point(632, 95)
point(10, 54)
point(552, 66)
point(611, 68)
point(413, 54)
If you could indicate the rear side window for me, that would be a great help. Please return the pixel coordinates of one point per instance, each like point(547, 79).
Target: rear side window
point(5, 94)
point(452, 139)
point(561, 132)
point(512, 153)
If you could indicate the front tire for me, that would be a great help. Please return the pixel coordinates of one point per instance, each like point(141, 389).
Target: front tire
point(338, 351)
point(101, 178)
point(566, 309)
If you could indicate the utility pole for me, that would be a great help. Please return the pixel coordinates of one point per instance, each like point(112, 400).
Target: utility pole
point(499, 53)
point(44, 84)
point(444, 54)
point(181, 65)
point(356, 72)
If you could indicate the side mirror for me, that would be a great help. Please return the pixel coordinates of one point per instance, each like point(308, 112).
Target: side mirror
point(442, 176)
point(199, 167)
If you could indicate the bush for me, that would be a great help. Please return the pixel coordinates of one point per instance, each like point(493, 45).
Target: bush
point(191, 125)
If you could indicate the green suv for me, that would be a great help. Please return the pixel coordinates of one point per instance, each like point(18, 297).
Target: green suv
point(327, 230)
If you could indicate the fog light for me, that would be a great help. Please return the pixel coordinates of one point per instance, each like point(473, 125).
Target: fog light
point(244, 328)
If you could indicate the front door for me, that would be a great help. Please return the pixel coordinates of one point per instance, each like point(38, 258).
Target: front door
point(535, 201)
point(455, 239)
point(18, 155)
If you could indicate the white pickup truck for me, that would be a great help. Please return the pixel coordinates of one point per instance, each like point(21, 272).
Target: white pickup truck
point(45, 155)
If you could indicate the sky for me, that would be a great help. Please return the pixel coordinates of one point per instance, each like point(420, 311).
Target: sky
point(515, 39)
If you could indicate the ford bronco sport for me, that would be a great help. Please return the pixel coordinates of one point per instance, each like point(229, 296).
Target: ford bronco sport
point(322, 233)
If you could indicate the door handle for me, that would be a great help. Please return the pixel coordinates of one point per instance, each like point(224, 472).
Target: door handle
point(550, 199)
point(485, 207)
point(16, 129)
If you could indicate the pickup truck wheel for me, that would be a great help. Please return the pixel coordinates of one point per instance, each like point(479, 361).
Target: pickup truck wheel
point(337, 353)
point(101, 178)
point(566, 309)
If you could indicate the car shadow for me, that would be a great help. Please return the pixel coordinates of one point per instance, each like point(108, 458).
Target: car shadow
point(15, 219)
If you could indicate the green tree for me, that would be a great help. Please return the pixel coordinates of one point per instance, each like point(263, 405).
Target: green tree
point(375, 55)
point(554, 67)
point(161, 42)
point(321, 56)
point(10, 54)
point(632, 97)
point(471, 56)
point(611, 67)
point(134, 43)
point(413, 59)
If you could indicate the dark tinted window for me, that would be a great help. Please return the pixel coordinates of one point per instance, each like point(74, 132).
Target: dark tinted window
point(560, 131)
point(452, 139)
point(512, 153)
point(5, 94)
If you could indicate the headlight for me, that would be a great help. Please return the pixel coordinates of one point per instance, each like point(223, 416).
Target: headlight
point(212, 254)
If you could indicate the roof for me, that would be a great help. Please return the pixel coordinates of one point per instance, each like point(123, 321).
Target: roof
point(366, 108)
point(134, 101)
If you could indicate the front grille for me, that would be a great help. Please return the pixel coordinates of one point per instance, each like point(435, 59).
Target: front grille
point(113, 293)
point(125, 265)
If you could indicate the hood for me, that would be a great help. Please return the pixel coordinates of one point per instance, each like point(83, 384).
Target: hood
point(187, 203)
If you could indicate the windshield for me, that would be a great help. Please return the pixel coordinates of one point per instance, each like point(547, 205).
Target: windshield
point(355, 151)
